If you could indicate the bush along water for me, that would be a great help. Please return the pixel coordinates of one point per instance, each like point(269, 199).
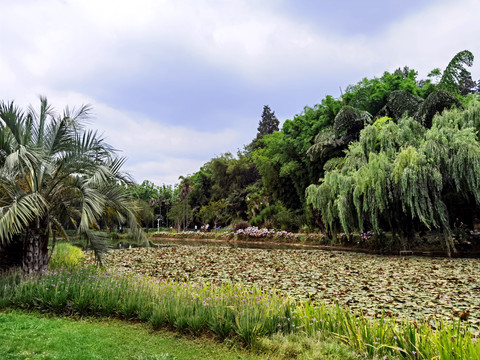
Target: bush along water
point(65, 255)
point(230, 311)
point(245, 234)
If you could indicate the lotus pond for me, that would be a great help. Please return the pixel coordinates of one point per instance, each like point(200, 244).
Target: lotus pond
point(403, 287)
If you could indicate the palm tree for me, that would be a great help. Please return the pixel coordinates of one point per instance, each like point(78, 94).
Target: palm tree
point(186, 188)
point(54, 173)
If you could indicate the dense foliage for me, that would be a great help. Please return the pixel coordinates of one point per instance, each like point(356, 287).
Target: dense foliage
point(382, 133)
point(153, 202)
point(399, 176)
point(56, 175)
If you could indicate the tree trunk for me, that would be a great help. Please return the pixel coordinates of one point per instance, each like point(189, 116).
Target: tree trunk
point(35, 251)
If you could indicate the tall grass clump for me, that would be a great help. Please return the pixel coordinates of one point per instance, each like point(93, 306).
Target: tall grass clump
point(227, 311)
point(65, 255)
point(233, 311)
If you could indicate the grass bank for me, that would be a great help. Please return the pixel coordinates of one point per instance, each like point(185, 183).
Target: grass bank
point(248, 315)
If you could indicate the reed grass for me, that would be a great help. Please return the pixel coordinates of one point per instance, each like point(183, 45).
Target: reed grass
point(232, 311)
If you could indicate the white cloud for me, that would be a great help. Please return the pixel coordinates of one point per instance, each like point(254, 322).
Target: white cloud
point(431, 38)
point(164, 171)
point(154, 151)
point(159, 152)
point(79, 38)
point(51, 47)
point(147, 136)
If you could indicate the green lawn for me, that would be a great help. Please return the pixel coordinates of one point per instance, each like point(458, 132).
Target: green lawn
point(35, 336)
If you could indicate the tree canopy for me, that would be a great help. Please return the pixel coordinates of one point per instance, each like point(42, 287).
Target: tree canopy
point(374, 137)
point(268, 124)
point(398, 175)
point(56, 174)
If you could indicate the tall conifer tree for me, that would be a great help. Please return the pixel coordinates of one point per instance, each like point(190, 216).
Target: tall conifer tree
point(269, 123)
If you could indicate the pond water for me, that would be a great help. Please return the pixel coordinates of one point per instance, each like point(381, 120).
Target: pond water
point(160, 242)
point(405, 287)
point(165, 242)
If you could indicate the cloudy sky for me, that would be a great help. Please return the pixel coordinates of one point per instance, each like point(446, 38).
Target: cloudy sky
point(174, 83)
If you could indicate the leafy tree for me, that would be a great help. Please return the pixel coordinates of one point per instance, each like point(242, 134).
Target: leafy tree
point(277, 216)
point(435, 74)
point(268, 124)
point(226, 178)
point(180, 212)
point(372, 94)
point(54, 173)
point(400, 102)
point(213, 212)
point(256, 199)
point(467, 85)
point(333, 140)
point(455, 72)
point(152, 199)
point(398, 175)
point(349, 121)
point(282, 163)
point(202, 187)
point(434, 104)
point(271, 163)
point(145, 191)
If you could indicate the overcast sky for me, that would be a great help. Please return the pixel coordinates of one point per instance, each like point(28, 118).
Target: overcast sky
point(174, 83)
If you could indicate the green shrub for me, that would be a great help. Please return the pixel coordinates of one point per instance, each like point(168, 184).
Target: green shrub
point(278, 217)
point(285, 219)
point(113, 235)
point(65, 256)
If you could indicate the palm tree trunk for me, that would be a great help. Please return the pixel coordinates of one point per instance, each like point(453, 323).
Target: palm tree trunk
point(35, 251)
point(186, 213)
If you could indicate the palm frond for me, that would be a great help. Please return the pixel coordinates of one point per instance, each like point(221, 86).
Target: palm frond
point(98, 241)
point(93, 203)
point(59, 228)
point(38, 120)
point(14, 119)
point(19, 214)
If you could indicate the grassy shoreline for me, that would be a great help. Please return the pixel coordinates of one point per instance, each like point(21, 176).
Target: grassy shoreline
point(247, 315)
point(402, 287)
point(35, 335)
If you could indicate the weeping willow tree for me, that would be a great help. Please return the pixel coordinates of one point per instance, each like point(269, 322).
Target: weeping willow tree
point(398, 174)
